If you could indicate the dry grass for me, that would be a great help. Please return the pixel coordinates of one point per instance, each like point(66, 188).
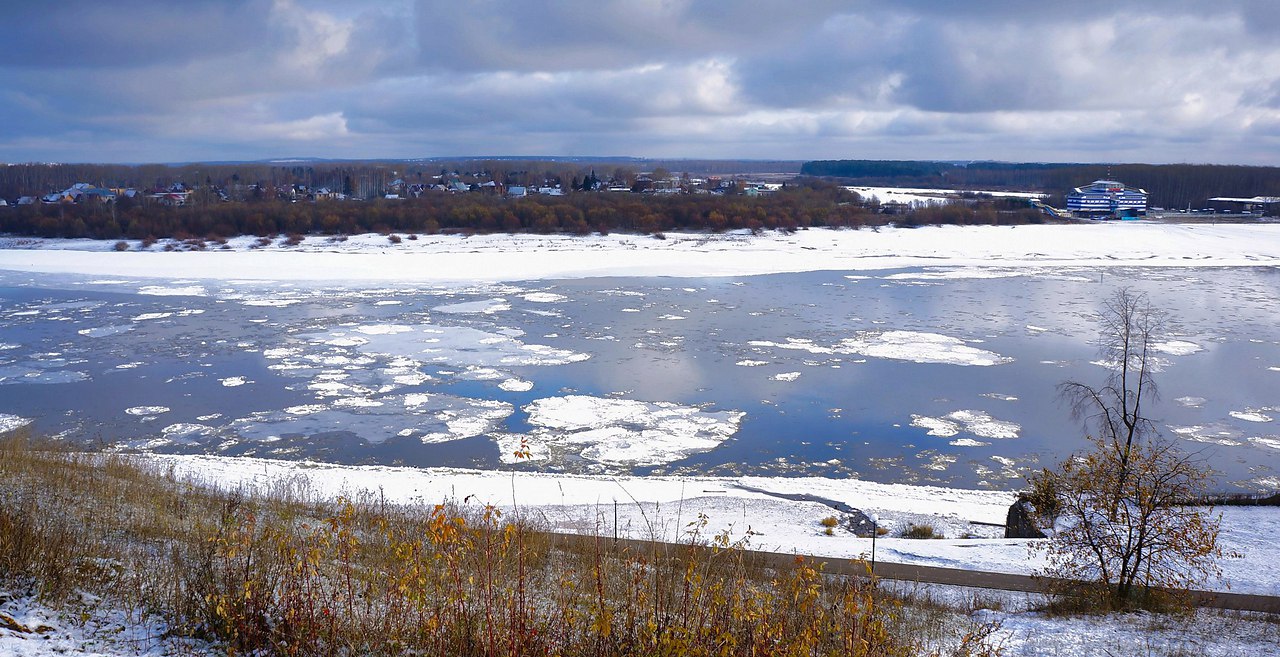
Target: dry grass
point(281, 571)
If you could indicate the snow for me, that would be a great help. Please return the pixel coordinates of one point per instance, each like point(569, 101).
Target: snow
point(91, 628)
point(1177, 347)
point(104, 331)
point(912, 346)
point(544, 297)
point(977, 423)
point(1253, 415)
point(10, 422)
point(659, 507)
point(492, 258)
point(146, 410)
point(624, 431)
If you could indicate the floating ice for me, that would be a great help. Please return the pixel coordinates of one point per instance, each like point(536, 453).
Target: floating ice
point(785, 376)
point(968, 442)
point(999, 396)
point(516, 385)
point(456, 345)
point(147, 410)
point(673, 318)
point(146, 316)
point(623, 431)
point(487, 307)
point(1268, 441)
point(752, 363)
point(383, 329)
point(432, 418)
point(959, 273)
point(977, 423)
point(913, 346)
point(181, 291)
point(1177, 347)
point(544, 297)
point(1212, 434)
point(1252, 415)
point(1036, 329)
point(187, 432)
point(271, 303)
point(233, 381)
point(10, 422)
point(1191, 402)
point(104, 331)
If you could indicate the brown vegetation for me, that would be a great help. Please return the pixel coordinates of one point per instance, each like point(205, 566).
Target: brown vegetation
point(279, 571)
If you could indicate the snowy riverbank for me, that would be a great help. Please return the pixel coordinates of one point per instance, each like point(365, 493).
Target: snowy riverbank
point(663, 507)
point(501, 257)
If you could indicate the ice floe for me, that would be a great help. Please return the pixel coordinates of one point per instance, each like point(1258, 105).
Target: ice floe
point(785, 376)
point(544, 297)
point(516, 385)
point(429, 417)
point(104, 331)
point(485, 307)
point(1214, 434)
point(912, 346)
point(1267, 441)
point(751, 363)
point(10, 422)
point(1177, 347)
point(1253, 414)
point(233, 381)
point(147, 316)
point(147, 410)
point(1191, 402)
point(624, 431)
point(174, 291)
point(453, 345)
point(977, 423)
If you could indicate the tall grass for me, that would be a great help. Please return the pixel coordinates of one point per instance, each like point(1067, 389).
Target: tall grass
point(279, 571)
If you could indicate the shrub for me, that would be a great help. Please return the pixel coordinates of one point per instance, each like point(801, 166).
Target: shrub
point(920, 531)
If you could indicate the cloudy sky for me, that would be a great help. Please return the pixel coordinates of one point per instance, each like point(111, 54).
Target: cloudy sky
point(1063, 80)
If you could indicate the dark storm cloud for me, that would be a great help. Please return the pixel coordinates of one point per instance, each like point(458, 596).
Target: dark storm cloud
point(1154, 80)
point(122, 33)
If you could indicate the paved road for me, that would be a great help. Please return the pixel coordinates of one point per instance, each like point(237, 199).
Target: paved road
point(926, 574)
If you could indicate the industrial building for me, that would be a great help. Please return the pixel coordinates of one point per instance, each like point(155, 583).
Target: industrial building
point(1104, 199)
point(1257, 205)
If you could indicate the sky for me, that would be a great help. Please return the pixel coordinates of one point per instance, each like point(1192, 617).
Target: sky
point(1071, 80)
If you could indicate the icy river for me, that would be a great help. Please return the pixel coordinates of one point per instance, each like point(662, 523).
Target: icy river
point(935, 375)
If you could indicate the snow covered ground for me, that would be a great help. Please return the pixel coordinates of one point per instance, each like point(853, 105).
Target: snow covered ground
point(491, 258)
point(662, 507)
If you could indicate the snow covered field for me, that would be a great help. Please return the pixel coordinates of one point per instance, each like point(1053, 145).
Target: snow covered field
point(662, 508)
point(492, 258)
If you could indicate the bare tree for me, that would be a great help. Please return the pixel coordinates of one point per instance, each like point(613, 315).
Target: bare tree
point(1120, 512)
point(1115, 411)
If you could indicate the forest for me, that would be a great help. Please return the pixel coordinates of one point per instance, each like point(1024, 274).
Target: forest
point(795, 206)
point(1170, 185)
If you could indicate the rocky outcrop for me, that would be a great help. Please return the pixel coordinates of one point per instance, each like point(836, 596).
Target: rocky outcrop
point(1022, 521)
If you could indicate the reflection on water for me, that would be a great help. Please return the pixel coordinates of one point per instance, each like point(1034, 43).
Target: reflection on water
point(939, 375)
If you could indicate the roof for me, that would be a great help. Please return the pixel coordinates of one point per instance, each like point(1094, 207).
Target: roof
point(1255, 199)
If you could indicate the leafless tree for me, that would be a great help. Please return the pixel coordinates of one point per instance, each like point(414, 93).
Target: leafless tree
point(1121, 514)
point(1114, 412)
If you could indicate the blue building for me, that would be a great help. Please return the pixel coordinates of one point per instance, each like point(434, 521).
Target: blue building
point(1107, 198)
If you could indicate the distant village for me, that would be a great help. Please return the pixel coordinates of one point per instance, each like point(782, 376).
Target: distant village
point(370, 187)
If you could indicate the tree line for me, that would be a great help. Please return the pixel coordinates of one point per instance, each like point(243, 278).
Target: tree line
point(793, 207)
point(1169, 185)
